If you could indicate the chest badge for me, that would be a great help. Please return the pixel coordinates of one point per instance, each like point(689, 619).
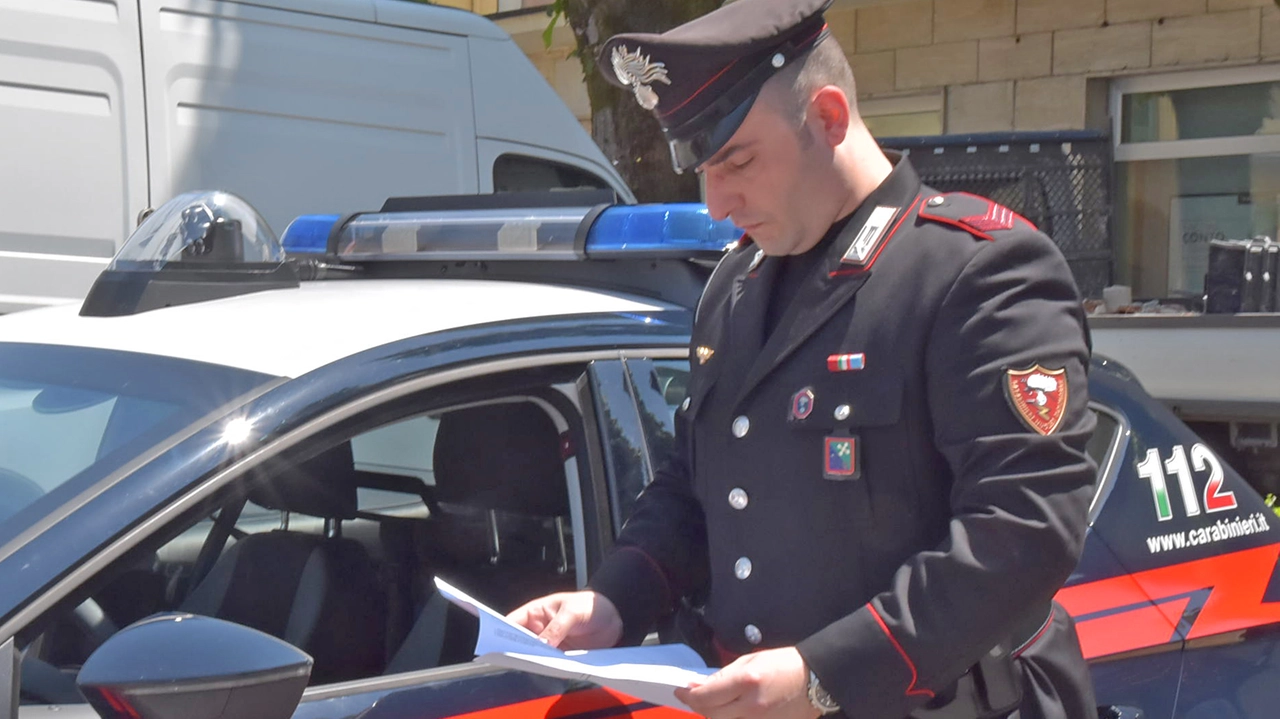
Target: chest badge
point(1038, 396)
point(864, 246)
point(843, 458)
point(802, 404)
point(704, 354)
point(846, 362)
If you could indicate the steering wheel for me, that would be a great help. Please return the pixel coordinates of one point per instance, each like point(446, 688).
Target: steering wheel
point(44, 683)
point(41, 680)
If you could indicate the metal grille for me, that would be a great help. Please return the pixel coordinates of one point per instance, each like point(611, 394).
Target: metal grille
point(1061, 182)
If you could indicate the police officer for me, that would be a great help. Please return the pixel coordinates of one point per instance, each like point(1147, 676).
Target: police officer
point(883, 478)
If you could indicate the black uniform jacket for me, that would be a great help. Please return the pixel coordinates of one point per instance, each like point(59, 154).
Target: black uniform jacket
point(894, 522)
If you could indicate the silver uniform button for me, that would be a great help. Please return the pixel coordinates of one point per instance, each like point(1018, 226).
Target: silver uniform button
point(752, 633)
point(741, 426)
point(936, 200)
point(684, 406)
point(842, 412)
point(742, 568)
point(738, 498)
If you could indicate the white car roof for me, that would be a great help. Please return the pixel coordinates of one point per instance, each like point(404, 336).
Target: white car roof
point(293, 331)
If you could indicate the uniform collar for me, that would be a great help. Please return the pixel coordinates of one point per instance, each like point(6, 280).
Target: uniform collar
point(828, 287)
point(900, 190)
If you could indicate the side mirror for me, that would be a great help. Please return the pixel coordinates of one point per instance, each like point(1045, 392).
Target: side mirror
point(183, 666)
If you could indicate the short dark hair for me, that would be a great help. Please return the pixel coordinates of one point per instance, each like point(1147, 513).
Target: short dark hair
point(792, 88)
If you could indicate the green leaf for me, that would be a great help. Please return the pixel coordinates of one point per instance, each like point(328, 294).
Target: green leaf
point(556, 11)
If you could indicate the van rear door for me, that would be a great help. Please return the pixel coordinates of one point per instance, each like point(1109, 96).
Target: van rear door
point(321, 110)
point(72, 144)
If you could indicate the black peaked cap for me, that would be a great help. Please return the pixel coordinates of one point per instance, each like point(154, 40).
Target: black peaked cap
point(701, 78)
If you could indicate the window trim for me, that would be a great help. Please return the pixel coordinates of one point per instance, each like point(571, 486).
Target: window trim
point(1189, 80)
point(1109, 471)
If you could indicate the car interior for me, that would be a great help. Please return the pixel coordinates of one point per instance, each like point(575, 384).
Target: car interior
point(334, 547)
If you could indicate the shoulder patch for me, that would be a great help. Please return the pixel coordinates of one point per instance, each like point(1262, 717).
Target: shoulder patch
point(1038, 396)
point(976, 215)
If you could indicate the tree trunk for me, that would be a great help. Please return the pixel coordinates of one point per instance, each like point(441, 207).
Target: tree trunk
point(628, 134)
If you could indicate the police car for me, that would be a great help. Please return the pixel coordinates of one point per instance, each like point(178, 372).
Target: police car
point(237, 440)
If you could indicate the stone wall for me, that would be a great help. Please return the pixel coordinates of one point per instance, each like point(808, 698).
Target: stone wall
point(1000, 64)
point(1028, 64)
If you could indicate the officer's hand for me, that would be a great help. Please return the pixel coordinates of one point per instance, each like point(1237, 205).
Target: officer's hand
point(771, 684)
point(572, 620)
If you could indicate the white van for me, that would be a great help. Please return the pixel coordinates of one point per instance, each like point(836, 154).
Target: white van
point(108, 107)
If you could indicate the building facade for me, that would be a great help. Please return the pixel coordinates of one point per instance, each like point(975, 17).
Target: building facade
point(1187, 90)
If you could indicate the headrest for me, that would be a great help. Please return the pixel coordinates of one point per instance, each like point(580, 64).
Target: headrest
point(501, 456)
point(323, 486)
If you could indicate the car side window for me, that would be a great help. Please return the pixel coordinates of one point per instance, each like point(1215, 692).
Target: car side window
point(1103, 438)
point(521, 173)
point(672, 379)
point(333, 545)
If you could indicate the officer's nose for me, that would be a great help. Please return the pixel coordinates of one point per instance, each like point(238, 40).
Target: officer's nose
point(721, 202)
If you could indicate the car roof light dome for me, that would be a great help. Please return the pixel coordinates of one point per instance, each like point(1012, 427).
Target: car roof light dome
point(197, 246)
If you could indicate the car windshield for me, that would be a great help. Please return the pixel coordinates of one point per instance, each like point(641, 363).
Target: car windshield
point(69, 416)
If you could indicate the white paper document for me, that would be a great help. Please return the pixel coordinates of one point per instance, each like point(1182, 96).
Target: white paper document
point(649, 673)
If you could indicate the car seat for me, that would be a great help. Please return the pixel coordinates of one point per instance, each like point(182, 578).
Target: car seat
point(319, 592)
point(500, 480)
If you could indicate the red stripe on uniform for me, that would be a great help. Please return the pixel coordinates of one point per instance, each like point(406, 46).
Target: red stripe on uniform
point(726, 69)
point(912, 691)
point(699, 90)
point(1027, 644)
point(666, 585)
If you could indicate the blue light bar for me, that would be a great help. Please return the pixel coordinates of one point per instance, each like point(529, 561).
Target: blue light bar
point(672, 230)
point(308, 234)
point(544, 233)
point(681, 231)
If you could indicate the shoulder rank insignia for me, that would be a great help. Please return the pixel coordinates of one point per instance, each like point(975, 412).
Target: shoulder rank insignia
point(976, 215)
point(1038, 396)
point(704, 354)
point(637, 72)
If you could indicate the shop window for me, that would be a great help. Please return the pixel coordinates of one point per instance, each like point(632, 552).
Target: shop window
point(1198, 158)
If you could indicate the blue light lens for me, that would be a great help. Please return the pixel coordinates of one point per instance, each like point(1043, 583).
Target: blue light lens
point(679, 229)
point(308, 234)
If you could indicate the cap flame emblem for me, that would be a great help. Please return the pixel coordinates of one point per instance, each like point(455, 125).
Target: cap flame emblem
point(637, 72)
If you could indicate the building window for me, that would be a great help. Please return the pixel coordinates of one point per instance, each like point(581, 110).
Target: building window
point(1198, 159)
point(910, 116)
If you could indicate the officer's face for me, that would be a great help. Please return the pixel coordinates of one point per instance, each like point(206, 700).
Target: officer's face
point(764, 180)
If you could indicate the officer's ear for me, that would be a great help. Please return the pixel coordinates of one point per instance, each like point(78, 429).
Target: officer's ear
point(829, 109)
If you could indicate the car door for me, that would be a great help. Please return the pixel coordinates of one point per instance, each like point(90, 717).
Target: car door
point(1179, 619)
point(504, 541)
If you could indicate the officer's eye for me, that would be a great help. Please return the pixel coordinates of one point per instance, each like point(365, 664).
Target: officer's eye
point(740, 164)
